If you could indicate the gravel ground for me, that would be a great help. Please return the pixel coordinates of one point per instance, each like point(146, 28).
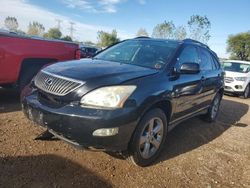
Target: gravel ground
point(196, 154)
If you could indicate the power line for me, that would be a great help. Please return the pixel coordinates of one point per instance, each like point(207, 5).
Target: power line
point(59, 23)
point(71, 29)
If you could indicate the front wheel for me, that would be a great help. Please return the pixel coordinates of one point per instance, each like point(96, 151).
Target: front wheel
point(149, 137)
point(213, 109)
point(246, 92)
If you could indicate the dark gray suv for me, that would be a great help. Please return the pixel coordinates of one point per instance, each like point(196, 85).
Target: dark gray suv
point(128, 96)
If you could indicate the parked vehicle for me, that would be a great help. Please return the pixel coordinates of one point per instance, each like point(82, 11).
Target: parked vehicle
point(237, 77)
point(21, 57)
point(88, 51)
point(127, 97)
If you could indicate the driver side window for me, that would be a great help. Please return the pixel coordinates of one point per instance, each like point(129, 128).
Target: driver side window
point(188, 55)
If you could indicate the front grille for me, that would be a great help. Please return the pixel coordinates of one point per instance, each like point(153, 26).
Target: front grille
point(56, 85)
point(228, 79)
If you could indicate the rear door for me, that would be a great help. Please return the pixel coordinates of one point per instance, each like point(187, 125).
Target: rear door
point(212, 75)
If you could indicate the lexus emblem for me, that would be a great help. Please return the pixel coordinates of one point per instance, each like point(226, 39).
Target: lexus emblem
point(49, 81)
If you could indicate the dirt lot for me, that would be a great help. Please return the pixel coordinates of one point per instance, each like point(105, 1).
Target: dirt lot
point(196, 154)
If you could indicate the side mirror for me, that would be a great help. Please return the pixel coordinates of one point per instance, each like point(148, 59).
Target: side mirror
point(189, 68)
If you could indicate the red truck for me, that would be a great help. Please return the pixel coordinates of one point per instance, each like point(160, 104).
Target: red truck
point(21, 57)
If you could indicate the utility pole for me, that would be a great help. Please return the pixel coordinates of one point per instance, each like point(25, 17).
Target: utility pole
point(71, 29)
point(59, 24)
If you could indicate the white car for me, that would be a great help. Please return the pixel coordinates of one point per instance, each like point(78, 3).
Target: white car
point(237, 77)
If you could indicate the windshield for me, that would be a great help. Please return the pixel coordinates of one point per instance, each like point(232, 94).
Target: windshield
point(145, 53)
point(236, 67)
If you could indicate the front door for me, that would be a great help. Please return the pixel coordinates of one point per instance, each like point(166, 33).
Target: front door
point(189, 88)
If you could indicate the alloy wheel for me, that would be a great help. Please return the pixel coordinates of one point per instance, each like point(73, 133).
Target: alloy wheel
point(151, 138)
point(215, 107)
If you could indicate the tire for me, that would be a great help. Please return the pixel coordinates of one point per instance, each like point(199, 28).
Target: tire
point(246, 92)
point(213, 109)
point(148, 139)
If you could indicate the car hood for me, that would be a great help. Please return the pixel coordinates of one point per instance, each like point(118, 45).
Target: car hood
point(99, 72)
point(235, 74)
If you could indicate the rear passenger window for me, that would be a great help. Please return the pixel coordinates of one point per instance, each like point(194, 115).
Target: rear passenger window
point(189, 55)
point(206, 60)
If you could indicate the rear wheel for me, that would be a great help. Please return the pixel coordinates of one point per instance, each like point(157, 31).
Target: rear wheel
point(213, 109)
point(246, 92)
point(149, 138)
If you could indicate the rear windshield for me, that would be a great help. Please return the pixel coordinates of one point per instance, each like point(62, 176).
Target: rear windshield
point(145, 53)
point(236, 67)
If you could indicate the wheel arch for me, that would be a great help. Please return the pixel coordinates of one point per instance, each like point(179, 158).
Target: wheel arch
point(35, 63)
point(39, 62)
point(165, 106)
point(221, 92)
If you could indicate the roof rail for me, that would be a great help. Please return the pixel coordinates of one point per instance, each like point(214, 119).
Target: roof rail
point(142, 37)
point(197, 42)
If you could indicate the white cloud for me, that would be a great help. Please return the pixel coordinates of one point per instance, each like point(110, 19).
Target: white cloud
point(25, 13)
point(101, 6)
point(142, 2)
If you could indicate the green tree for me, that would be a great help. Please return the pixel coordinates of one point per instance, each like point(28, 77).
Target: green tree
point(11, 23)
point(67, 38)
point(199, 28)
point(106, 39)
point(35, 28)
point(164, 30)
point(53, 33)
point(142, 33)
point(239, 46)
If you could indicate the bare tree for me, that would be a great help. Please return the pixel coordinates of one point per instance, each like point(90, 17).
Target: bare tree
point(199, 27)
point(11, 23)
point(180, 33)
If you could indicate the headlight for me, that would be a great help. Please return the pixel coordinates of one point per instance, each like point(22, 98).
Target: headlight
point(108, 97)
point(243, 79)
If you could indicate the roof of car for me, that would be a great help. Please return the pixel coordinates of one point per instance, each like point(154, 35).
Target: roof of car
point(186, 41)
point(237, 61)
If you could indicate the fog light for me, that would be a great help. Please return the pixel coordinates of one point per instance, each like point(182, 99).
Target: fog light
point(106, 132)
point(238, 87)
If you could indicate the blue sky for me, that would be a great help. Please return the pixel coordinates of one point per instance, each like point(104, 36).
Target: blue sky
point(127, 16)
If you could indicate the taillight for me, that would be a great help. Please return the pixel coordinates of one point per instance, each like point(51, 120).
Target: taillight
point(78, 54)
